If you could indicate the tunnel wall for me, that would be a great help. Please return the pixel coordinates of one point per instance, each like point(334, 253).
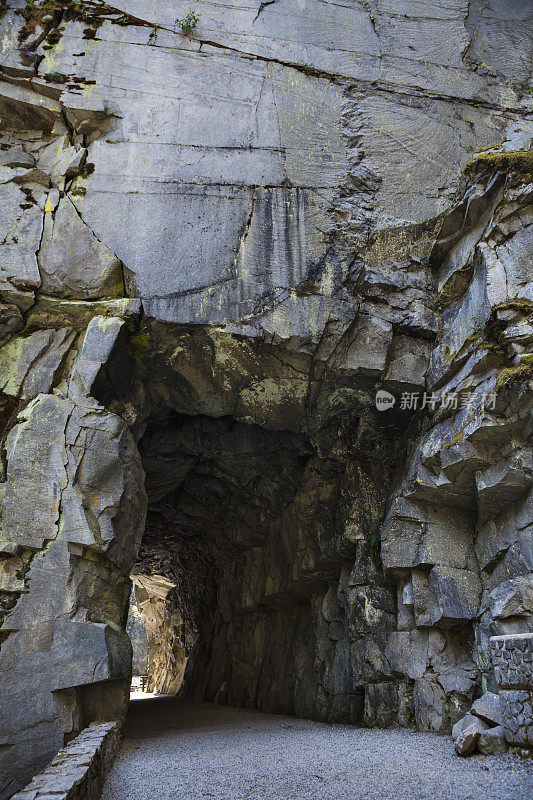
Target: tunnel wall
point(256, 537)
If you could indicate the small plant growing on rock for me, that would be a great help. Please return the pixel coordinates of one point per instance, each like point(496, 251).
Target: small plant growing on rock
point(309, 69)
point(188, 23)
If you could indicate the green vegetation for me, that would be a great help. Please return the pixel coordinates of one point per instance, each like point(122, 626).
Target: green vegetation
point(188, 23)
point(478, 343)
point(48, 15)
point(512, 374)
point(374, 539)
point(140, 343)
point(309, 69)
point(518, 163)
point(409, 707)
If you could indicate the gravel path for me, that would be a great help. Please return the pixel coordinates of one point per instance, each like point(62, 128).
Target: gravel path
point(179, 750)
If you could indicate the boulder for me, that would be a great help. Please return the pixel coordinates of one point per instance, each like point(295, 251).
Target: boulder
point(463, 723)
point(487, 708)
point(466, 742)
point(492, 742)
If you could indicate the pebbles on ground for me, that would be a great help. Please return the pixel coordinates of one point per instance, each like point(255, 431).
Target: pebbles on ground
point(180, 750)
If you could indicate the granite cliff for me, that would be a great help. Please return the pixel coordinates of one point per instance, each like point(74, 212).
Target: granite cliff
point(217, 246)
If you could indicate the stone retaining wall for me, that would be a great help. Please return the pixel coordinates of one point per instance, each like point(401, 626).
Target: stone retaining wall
point(79, 770)
point(512, 658)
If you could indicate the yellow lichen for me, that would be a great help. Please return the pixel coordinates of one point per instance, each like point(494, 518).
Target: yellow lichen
point(505, 376)
point(457, 437)
point(519, 162)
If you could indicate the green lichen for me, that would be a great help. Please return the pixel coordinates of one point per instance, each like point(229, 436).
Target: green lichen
point(455, 287)
point(519, 304)
point(457, 437)
point(493, 146)
point(527, 358)
point(140, 343)
point(52, 312)
point(449, 354)
point(513, 375)
point(479, 343)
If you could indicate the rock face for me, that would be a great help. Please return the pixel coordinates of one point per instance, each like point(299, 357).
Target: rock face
point(136, 630)
point(216, 248)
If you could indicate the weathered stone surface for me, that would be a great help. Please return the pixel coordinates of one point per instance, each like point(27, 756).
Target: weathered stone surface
point(300, 133)
point(215, 249)
point(32, 365)
point(487, 708)
point(72, 261)
point(381, 704)
point(79, 769)
point(11, 320)
point(454, 595)
point(76, 546)
point(34, 440)
point(517, 716)
point(512, 659)
point(492, 742)
point(20, 234)
point(460, 725)
point(467, 741)
point(513, 667)
point(103, 365)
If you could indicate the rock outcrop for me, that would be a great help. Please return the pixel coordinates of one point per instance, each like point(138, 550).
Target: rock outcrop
point(217, 247)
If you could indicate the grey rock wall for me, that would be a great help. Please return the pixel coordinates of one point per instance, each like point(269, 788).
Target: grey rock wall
point(215, 248)
point(72, 517)
point(513, 667)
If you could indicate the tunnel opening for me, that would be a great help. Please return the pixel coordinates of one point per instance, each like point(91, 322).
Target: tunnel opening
point(259, 572)
point(244, 574)
point(136, 630)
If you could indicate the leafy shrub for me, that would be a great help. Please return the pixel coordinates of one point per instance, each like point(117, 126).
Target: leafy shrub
point(188, 23)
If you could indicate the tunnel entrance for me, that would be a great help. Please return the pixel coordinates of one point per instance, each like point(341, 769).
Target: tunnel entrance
point(244, 568)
